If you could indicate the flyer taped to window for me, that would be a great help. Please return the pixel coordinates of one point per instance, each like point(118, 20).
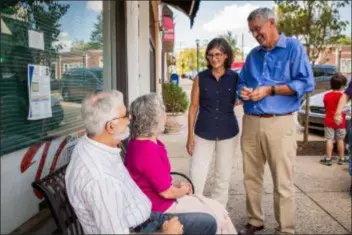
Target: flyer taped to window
point(39, 92)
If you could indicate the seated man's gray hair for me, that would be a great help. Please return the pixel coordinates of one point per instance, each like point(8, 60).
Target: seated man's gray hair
point(100, 108)
point(263, 13)
point(147, 116)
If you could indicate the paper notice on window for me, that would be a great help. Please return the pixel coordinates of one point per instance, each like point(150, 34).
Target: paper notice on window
point(35, 39)
point(39, 92)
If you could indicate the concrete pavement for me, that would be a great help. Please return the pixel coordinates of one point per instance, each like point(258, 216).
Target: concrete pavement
point(323, 205)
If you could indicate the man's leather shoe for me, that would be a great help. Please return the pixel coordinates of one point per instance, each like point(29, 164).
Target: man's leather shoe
point(250, 229)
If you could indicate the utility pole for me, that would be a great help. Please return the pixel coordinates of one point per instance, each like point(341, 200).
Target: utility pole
point(339, 59)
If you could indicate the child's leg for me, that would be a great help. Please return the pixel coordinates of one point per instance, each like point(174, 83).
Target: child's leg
point(341, 148)
point(340, 138)
point(329, 147)
point(329, 136)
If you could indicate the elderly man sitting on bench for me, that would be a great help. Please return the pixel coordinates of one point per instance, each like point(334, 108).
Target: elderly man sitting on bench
point(100, 189)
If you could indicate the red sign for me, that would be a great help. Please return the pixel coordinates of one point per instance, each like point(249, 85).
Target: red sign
point(237, 65)
point(169, 29)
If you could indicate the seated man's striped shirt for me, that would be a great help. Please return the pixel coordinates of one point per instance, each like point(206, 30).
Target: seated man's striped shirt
point(101, 191)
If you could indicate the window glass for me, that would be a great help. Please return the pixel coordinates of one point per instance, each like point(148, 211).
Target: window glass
point(66, 39)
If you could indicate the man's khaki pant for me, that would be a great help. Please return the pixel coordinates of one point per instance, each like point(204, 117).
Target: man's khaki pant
point(200, 163)
point(269, 140)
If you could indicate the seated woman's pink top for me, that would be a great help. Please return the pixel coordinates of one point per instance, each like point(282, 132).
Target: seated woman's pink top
point(149, 166)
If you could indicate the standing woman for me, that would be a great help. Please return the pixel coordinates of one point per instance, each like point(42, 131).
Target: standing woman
point(212, 124)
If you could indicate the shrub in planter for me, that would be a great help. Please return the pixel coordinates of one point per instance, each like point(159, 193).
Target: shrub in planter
point(175, 99)
point(176, 104)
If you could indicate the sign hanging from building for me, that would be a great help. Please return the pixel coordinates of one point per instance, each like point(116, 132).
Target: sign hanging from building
point(169, 29)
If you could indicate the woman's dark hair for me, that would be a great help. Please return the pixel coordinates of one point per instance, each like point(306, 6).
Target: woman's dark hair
point(337, 81)
point(224, 47)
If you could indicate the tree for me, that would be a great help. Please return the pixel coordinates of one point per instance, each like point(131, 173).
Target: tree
point(344, 40)
point(313, 22)
point(96, 38)
point(81, 46)
point(43, 16)
point(187, 60)
point(232, 40)
point(97, 34)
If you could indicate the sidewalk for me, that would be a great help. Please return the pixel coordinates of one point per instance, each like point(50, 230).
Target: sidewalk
point(323, 205)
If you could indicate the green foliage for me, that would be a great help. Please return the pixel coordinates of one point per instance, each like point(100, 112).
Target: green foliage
point(187, 60)
point(315, 22)
point(343, 40)
point(80, 45)
point(97, 34)
point(232, 40)
point(96, 38)
point(175, 99)
point(43, 16)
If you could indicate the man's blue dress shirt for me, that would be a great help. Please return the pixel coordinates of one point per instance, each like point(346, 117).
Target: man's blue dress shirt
point(286, 64)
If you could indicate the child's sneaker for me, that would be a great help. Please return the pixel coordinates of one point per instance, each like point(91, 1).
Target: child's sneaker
point(325, 161)
point(342, 161)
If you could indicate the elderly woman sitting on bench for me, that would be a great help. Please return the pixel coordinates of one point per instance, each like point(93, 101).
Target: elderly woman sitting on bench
point(149, 166)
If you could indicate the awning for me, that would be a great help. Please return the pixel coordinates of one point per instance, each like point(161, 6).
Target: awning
point(189, 7)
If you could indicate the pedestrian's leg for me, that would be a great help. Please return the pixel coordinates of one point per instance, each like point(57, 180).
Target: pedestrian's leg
point(200, 162)
point(224, 154)
point(341, 148)
point(197, 223)
point(279, 147)
point(253, 168)
point(329, 147)
point(329, 134)
point(340, 139)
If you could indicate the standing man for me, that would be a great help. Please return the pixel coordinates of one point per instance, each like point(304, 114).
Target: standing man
point(275, 76)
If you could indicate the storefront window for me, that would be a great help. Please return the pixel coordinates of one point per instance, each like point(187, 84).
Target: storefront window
point(51, 58)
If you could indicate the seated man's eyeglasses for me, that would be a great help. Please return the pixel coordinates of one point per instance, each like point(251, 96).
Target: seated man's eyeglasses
point(127, 115)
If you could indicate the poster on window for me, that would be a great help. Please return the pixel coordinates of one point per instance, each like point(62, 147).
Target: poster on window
point(39, 92)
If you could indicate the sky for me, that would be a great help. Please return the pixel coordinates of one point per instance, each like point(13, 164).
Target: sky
point(78, 22)
point(217, 17)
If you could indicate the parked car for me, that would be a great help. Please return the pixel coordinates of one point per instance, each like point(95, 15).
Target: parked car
point(322, 75)
point(77, 83)
point(317, 113)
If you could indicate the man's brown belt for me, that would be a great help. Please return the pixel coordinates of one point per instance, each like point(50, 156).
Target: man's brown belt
point(266, 115)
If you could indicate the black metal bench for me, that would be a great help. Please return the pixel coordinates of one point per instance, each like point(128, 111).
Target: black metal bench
point(53, 189)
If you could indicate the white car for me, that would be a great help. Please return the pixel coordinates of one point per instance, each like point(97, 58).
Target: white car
point(317, 112)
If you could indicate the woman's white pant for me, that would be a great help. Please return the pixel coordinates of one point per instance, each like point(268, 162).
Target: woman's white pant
point(200, 163)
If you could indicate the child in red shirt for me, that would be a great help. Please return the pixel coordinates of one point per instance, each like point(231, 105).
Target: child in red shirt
point(333, 131)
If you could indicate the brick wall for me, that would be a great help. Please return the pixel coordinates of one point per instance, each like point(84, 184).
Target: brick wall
point(89, 59)
point(330, 56)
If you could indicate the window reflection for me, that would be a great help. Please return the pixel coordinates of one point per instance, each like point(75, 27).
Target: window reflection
point(71, 48)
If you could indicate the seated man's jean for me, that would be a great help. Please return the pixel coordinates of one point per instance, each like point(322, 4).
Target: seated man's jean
point(193, 223)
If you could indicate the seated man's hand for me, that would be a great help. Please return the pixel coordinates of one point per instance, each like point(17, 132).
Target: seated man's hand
point(173, 226)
